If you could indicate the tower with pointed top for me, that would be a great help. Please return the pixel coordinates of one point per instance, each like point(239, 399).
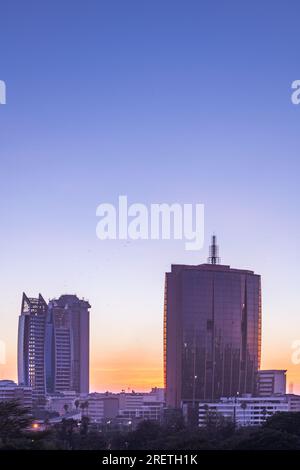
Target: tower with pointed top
point(31, 345)
point(212, 331)
point(53, 345)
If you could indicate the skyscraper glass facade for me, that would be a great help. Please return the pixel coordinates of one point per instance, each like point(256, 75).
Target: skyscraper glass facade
point(212, 332)
point(31, 345)
point(67, 345)
point(53, 345)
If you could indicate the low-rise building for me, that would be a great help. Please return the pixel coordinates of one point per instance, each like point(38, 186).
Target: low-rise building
point(142, 406)
point(102, 407)
point(248, 410)
point(105, 407)
point(10, 391)
point(271, 382)
point(62, 402)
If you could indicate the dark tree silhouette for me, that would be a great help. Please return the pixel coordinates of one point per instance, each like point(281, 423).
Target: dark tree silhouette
point(14, 419)
point(288, 422)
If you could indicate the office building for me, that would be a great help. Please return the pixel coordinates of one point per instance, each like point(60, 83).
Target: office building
point(271, 382)
point(31, 345)
point(62, 402)
point(102, 407)
point(53, 346)
point(122, 408)
point(212, 331)
point(246, 411)
point(67, 345)
point(142, 406)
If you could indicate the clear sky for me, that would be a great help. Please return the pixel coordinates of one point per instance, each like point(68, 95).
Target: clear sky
point(164, 101)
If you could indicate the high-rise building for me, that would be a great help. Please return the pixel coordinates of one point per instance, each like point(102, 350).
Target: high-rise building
point(271, 382)
point(212, 331)
point(31, 345)
point(53, 345)
point(67, 345)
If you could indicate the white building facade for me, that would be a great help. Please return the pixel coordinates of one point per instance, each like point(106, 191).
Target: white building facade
point(247, 411)
point(271, 382)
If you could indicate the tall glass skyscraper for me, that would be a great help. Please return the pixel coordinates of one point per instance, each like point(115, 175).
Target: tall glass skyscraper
point(31, 345)
point(67, 345)
point(212, 331)
point(53, 345)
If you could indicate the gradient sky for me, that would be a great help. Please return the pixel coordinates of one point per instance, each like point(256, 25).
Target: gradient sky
point(164, 101)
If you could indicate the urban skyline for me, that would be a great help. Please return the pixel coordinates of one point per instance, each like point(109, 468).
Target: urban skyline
point(54, 348)
point(162, 102)
point(55, 319)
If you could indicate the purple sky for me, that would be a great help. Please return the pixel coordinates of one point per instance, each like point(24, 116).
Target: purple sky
point(167, 101)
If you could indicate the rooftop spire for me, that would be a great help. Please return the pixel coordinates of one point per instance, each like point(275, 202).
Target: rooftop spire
point(214, 251)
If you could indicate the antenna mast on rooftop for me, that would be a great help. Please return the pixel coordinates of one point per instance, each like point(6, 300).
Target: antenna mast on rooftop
point(214, 251)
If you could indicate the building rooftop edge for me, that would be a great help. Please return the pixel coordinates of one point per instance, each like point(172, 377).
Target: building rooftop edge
point(211, 267)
